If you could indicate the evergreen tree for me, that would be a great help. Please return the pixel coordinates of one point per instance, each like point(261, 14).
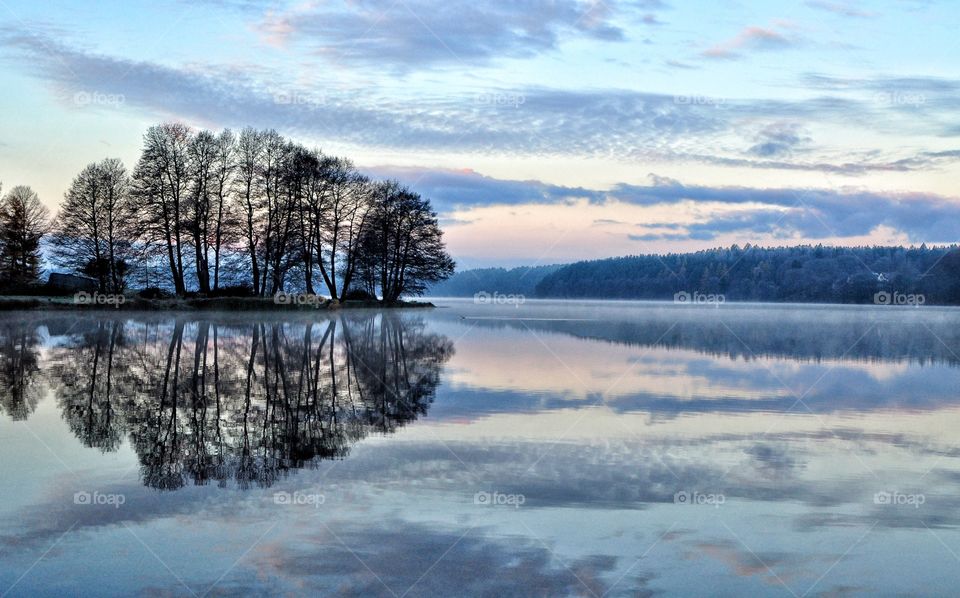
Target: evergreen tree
point(23, 223)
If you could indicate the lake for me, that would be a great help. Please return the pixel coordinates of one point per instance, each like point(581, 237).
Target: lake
point(545, 448)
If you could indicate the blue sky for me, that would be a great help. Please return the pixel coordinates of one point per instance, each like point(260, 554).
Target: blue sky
point(544, 130)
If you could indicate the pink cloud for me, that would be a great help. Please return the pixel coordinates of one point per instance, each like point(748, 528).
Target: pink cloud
point(751, 38)
point(275, 30)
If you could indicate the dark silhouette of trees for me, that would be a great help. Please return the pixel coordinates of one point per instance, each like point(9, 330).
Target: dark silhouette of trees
point(394, 371)
point(21, 380)
point(248, 198)
point(222, 171)
point(161, 185)
point(344, 217)
point(93, 384)
point(309, 202)
point(278, 224)
point(797, 274)
point(778, 274)
point(403, 246)
point(237, 401)
point(23, 223)
point(256, 209)
point(201, 151)
point(95, 228)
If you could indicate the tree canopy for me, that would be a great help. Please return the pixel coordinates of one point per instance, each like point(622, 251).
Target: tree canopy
point(253, 211)
point(23, 223)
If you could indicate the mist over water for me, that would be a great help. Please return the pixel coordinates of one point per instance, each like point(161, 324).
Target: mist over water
point(541, 447)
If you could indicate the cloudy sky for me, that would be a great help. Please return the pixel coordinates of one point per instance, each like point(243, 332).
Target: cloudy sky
point(544, 130)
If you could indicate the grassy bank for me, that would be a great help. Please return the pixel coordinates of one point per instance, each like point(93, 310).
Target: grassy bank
point(9, 303)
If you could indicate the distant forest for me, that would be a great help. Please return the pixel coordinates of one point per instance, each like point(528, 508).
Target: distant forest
point(814, 274)
point(522, 281)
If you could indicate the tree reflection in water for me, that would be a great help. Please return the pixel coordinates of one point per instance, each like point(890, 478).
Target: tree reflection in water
point(221, 400)
point(21, 386)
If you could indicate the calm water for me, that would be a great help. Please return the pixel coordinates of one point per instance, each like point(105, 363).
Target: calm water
point(547, 449)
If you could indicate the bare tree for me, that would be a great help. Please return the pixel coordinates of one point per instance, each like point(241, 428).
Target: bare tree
point(201, 152)
point(343, 221)
point(93, 233)
point(247, 197)
point(356, 219)
point(403, 247)
point(278, 231)
point(223, 168)
point(303, 178)
point(161, 184)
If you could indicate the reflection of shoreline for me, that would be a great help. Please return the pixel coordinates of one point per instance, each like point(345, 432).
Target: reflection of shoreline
point(802, 335)
point(234, 400)
point(258, 304)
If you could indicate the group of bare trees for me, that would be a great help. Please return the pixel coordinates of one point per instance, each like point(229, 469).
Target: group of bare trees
point(228, 400)
point(202, 211)
point(254, 203)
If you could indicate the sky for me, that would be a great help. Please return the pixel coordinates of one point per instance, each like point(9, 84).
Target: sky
point(544, 131)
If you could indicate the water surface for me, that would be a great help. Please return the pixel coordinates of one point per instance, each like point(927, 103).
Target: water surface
point(546, 449)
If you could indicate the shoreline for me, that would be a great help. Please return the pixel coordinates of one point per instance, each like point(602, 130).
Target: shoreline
point(712, 305)
point(47, 303)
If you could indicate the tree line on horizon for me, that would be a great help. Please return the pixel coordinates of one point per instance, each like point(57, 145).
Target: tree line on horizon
point(213, 212)
point(808, 273)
